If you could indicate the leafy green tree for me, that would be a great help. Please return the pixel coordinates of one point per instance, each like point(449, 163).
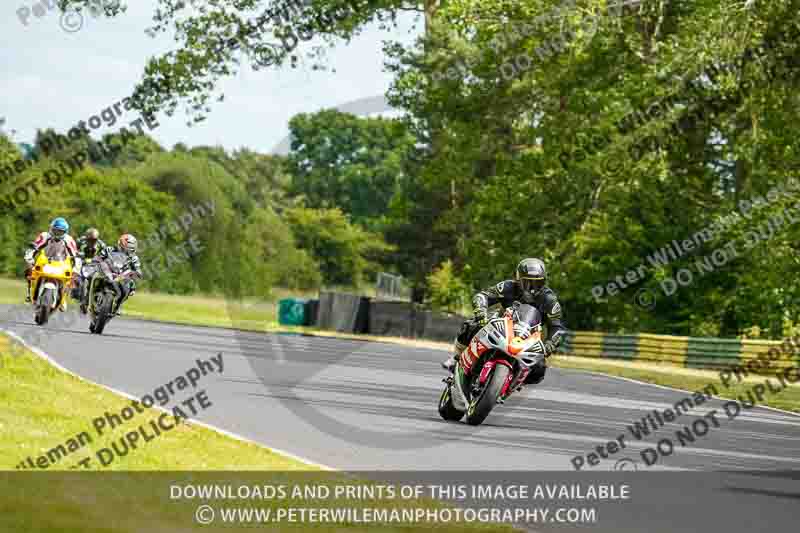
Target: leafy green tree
point(447, 291)
point(340, 160)
point(273, 258)
point(345, 252)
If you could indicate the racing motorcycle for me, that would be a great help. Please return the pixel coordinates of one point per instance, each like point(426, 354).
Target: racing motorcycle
point(50, 276)
point(104, 276)
point(494, 364)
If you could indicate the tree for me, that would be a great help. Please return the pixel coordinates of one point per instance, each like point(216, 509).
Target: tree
point(345, 252)
point(340, 160)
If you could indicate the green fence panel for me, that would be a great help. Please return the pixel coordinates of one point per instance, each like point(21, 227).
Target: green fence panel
point(292, 312)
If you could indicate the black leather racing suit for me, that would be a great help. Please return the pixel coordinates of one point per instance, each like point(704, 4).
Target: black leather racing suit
point(506, 293)
point(86, 252)
point(127, 287)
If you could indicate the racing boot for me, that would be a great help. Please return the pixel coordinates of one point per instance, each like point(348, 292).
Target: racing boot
point(84, 299)
point(450, 364)
point(116, 311)
point(28, 293)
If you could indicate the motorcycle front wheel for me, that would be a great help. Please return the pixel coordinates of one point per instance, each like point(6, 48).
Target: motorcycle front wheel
point(480, 407)
point(447, 410)
point(45, 304)
point(103, 313)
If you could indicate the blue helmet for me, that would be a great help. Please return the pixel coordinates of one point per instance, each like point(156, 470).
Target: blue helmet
point(58, 228)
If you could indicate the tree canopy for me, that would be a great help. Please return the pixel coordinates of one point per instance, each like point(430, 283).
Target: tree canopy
point(589, 133)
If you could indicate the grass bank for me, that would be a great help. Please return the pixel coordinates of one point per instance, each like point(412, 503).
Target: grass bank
point(42, 408)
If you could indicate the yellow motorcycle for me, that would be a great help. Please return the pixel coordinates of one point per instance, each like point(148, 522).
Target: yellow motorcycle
point(50, 277)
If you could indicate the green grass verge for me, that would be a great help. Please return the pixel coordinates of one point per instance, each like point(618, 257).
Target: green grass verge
point(42, 407)
point(191, 310)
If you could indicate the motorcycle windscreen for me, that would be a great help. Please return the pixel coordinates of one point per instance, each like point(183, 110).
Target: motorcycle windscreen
point(118, 260)
point(88, 270)
point(56, 251)
point(528, 315)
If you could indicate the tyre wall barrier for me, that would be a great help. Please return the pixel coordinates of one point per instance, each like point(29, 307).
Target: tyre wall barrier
point(403, 319)
point(312, 312)
point(346, 313)
point(435, 326)
point(392, 319)
point(690, 352)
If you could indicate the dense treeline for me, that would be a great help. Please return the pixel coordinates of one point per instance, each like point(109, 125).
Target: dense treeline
point(207, 220)
point(642, 151)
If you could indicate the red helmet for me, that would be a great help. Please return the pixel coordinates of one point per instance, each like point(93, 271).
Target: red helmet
point(127, 243)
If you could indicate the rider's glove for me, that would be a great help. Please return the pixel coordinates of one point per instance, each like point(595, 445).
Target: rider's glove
point(549, 348)
point(480, 315)
point(29, 257)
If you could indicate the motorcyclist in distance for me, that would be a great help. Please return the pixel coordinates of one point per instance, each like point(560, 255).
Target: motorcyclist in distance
point(89, 245)
point(128, 245)
point(530, 287)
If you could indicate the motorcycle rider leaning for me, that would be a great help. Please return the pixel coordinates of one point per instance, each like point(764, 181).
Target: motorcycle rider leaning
point(530, 287)
point(89, 245)
point(126, 244)
point(58, 231)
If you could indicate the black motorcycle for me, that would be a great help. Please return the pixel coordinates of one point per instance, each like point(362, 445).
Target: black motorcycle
point(104, 276)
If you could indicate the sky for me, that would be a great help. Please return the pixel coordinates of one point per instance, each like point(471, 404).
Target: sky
point(54, 78)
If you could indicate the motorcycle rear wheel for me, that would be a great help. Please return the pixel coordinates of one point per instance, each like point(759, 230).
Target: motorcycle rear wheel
point(480, 407)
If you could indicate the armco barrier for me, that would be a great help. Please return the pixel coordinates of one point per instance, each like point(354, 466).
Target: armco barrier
point(690, 352)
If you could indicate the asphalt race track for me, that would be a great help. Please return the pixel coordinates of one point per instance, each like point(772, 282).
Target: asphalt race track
point(372, 406)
